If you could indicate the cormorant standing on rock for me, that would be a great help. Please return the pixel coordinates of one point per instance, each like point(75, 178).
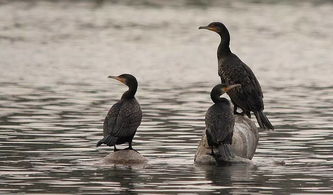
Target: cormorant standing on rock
point(220, 123)
point(124, 117)
point(232, 70)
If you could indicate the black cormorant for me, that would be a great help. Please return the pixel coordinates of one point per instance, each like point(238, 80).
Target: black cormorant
point(124, 117)
point(220, 123)
point(232, 70)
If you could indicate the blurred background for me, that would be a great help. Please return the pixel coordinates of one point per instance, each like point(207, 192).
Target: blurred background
point(55, 57)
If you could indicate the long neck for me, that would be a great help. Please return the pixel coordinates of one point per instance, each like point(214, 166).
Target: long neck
point(217, 99)
point(129, 94)
point(224, 48)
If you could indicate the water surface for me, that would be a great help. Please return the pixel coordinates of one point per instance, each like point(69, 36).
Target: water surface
point(55, 58)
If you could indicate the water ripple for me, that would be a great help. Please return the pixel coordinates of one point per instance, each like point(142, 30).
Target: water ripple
point(55, 94)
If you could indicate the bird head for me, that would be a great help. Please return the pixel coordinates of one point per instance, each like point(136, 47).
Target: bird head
point(127, 79)
point(217, 27)
point(220, 89)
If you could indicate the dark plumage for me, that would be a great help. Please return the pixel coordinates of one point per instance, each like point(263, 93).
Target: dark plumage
point(232, 70)
point(220, 123)
point(124, 117)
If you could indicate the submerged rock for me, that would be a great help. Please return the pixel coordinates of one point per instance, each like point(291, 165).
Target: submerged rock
point(244, 143)
point(126, 157)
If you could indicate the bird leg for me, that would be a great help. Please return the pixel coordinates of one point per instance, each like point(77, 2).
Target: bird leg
point(248, 114)
point(115, 149)
point(130, 146)
point(212, 151)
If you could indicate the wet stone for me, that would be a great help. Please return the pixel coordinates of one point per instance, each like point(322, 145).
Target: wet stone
point(126, 157)
point(244, 143)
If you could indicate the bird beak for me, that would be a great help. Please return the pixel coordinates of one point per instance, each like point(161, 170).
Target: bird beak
point(118, 78)
point(226, 89)
point(208, 28)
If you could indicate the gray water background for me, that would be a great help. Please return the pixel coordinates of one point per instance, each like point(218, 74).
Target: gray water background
point(54, 60)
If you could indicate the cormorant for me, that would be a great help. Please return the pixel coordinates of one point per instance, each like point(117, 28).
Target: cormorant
point(220, 123)
point(124, 117)
point(232, 70)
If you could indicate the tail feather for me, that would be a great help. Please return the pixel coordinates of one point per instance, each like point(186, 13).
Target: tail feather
point(224, 153)
point(108, 140)
point(263, 121)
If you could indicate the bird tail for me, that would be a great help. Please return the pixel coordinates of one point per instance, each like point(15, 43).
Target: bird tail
point(108, 140)
point(263, 120)
point(224, 153)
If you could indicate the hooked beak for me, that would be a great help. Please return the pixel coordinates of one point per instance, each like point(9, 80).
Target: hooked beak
point(208, 28)
point(118, 78)
point(226, 89)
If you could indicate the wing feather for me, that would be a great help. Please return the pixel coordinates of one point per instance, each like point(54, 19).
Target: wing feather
point(234, 71)
point(124, 120)
point(219, 124)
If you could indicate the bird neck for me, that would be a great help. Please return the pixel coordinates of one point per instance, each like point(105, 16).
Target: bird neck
point(224, 48)
point(217, 99)
point(130, 93)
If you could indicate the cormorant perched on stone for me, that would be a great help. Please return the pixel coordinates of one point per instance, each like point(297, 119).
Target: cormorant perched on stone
point(232, 70)
point(220, 123)
point(124, 117)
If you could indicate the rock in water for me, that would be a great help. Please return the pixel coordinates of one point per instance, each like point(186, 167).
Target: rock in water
point(245, 138)
point(126, 157)
point(244, 142)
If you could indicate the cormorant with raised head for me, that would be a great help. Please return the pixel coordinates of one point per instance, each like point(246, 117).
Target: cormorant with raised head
point(220, 123)
point(124, 117)
point(233, 71)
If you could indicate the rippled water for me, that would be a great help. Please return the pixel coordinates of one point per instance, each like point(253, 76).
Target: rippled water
point(55, 58)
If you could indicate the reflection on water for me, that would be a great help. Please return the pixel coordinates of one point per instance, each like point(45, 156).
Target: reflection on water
point(55, 94)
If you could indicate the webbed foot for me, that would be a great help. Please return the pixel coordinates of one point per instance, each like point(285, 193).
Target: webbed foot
point(130, 148)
